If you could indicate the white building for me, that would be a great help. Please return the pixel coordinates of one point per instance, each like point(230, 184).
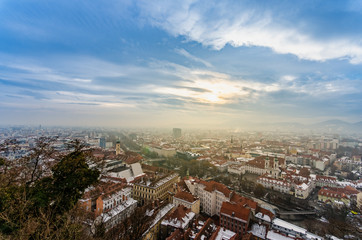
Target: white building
point(303, 190)
point(275, 184)
point(212, 194)
point(321, 164)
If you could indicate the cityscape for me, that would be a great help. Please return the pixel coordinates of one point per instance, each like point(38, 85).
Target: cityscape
point(207, 184)
point(180, 120)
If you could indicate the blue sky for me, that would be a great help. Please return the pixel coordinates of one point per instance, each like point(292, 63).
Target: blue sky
point(179, 63)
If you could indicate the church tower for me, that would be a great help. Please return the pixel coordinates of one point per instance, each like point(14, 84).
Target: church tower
point(267, 162)
point(276, 163)
point(118, 147)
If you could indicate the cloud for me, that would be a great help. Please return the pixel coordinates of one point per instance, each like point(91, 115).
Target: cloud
point(217, 24)
point(87, 85)
point(185, 53)
point(87, 80)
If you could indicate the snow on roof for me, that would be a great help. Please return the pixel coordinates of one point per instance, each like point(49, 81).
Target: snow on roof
point(258, 230)
point(160, 215)
point(272, 235)
point(136, 169)
point(224, 234)
point(262, 216)
point(313, 236)
point(164, 180)
point(303, 186)
point(287, 225)
point(179, 224)
point(118, 209)
point(334, 238)
point(344, 184)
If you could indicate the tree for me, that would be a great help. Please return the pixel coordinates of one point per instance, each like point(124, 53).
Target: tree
point(39, 192)
point(259, 191)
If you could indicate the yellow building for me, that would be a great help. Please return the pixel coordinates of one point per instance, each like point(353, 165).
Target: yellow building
point(188, 200)
point(118, 147)
point(332, 195)
point(149, 189)
point(359, 201)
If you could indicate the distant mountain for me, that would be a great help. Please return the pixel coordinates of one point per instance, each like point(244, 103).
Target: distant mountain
point(337, 126)
point(334, 122)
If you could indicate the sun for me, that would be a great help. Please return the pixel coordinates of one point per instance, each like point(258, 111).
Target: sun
point(210, 98)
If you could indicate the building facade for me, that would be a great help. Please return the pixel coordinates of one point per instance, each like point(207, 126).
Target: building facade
point(235, 217)
point(152, 189)
point(188, 200)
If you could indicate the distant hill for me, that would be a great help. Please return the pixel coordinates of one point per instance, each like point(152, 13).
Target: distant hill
point(338, 126)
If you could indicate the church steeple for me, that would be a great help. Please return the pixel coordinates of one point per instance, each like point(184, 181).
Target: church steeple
point(267, 162)
point(276, 162)
point(118, 147)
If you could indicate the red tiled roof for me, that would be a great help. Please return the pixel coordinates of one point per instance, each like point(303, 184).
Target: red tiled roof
point(205, 230)
point(185, 196)
point(331, 193)
point(243, 201)
point(259, 162)
point(176, 235)
point(326, 178)
point(266, 212)
point(235, 210)
point(212, 186)
point(344, 192)
point(350, 190)
point(178, 213)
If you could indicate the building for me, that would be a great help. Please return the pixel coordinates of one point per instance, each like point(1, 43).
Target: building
point(321, 164)
point(325, 181)
point(188, 200)
point(176, 132)
point(102, 142)
point(212, 194)
point(279, 185)
point(289, 229)
point(265, 165)
point(128, 172)
point(109, 145)
point(110, 203)
point(337, 195)
point(296, 185)
point(235, 217)
point(303, 190)
point(224, 234)
point(118, 147)
point(179, 218)
point(153, 232)
point(164, 151)
point(156, 187)
point(359, 201)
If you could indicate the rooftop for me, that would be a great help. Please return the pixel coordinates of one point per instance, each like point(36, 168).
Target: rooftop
point(235, 210)
point(185, 196)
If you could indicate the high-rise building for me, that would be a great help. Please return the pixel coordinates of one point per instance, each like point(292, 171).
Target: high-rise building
point(177, 132)
point(102, 142)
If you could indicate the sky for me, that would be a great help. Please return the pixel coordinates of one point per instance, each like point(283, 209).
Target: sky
point(187, 63)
